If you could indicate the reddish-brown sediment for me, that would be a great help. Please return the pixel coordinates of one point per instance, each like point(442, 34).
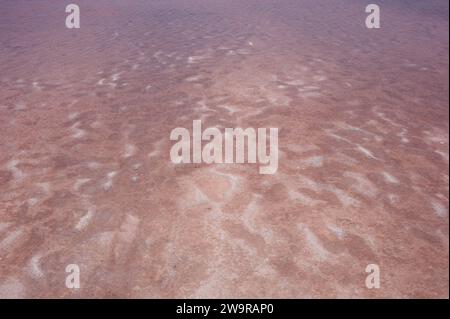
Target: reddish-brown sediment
point(86, 178)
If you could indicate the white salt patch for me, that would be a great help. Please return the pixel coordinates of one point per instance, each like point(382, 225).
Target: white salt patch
point(73, 115)
point(314, 243)
point(310, 184)
point(157, 54)
point(17, 173)
point(101, 81)
point(345, 199)
point(111, 174)
point(9, 240)
point(342, 158)
point(386, 119)
point(202, 107)
point(254, 113)
point(389, 178)
point(193, 78)
point(249, 219)
point(444, 155)
point(393, 199)
point(36, 86)
point(96, 124)
point(157, 149)
point(103, 239)
point(277, 98)
point(109, 182)
point(32, 201)
point(232, 179)
point(11, 289)
point(366, 152)
point(231, 110)
point(85, 219)
point(338, 137)
point(77, 132)
point(439, 209)
point(153, 153)
point(129, 151)
point(319, 78)
point(35, 268)
point(309, 88)
point(93, 165)
point(357, 129)
point(116, 76)
point(80, 182)
point(379, 139)
point(403, 137)
point(339, 232)
point(243, 51)
point(314, 161)
point(362, 184)
point(199, 196)
point(302, 198)
point(311, 94)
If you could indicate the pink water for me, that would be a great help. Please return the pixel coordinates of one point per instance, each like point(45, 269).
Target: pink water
point(86, 178)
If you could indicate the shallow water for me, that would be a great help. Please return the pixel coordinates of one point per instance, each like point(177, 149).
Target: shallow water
point(86, 178)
